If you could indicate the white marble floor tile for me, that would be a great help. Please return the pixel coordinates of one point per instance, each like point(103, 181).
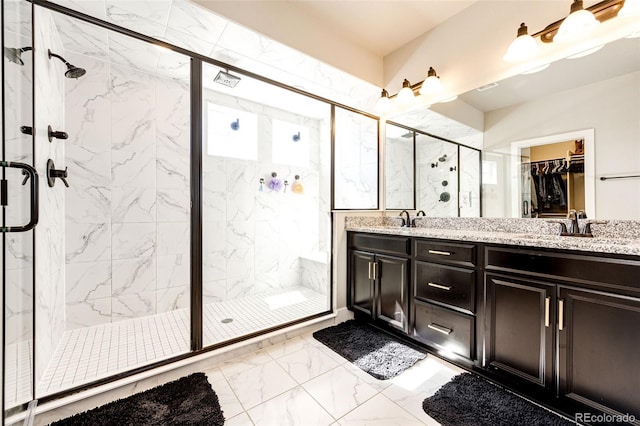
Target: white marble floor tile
point(294, 408)
point(241, 419)
point(229, 403)
point(379, 411)
point(290, 346)
point(260, 383)
point(410, 391)
point(307, 363)
point(238, 365)
point(377, 384)
point(339, 391)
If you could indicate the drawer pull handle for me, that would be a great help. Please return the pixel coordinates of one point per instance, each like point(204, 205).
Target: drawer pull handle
point(440, 286)
point(440, 329)
point(547, 301)
point(560, 314)
point(375, 270)
point(442, 253)
point(369, 270)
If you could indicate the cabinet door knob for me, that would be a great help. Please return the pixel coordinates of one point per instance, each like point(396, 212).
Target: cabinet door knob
point(547, 301)
point(440, 329)
point(440, 286)
point(560, 314)
point(442, 253)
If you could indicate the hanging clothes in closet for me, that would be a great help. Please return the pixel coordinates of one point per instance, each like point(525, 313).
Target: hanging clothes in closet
point(550, 185)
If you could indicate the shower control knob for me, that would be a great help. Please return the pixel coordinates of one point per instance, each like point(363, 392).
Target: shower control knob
point(58, 134)
point(452, 169)
point(53, 174)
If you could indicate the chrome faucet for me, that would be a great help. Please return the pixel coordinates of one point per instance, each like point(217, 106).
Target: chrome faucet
point(406, 222)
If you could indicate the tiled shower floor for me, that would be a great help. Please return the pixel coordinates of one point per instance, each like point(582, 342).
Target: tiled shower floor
point(87, 354)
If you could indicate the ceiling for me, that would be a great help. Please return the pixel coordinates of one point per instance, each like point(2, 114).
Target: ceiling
point(381, 27)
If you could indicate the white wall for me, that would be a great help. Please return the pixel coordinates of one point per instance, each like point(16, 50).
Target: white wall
point(611, 108)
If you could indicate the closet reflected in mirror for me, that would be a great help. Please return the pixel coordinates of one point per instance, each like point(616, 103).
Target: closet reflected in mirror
point(553, 179)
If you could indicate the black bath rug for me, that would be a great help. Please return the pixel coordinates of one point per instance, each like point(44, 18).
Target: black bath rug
point(370, 349)
point(186, 401)
point(469, 400)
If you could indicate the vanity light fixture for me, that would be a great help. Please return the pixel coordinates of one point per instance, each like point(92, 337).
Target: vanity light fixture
point(383, 104)
point(577, 25)
point(574, 28)
point(431, 84)
point(406, 95)
point(523, 47)
point(428, 89)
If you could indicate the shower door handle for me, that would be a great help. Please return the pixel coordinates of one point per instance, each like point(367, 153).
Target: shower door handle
point(32, 176)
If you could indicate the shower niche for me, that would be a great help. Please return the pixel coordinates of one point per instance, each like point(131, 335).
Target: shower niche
point(425, 172)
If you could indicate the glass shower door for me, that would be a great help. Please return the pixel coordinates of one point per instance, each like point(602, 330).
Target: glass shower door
point(19, 211)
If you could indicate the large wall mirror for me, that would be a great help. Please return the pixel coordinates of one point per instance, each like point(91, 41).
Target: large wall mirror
point(525, 117)
point(430, 173)
point(576, 125)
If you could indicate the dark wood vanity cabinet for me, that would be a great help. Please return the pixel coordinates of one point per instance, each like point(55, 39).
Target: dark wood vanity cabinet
point(520, 318)
point(567, 322)
point(444, 284)
point(378, 278)
point(599, 344)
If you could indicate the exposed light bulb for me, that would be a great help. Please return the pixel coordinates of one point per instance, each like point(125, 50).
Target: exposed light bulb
point(523, 47)
point(383, 104)
point(431, 84)
point(406, 95)
point(578, 24)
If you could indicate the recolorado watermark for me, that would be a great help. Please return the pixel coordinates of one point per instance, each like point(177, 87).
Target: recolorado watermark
point(605, 418)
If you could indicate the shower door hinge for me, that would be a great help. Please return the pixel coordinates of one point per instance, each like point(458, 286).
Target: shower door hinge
point(4, 197)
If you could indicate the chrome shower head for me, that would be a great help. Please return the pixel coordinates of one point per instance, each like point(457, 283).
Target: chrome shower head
point(14, 54)
point(72, 70)
point(226, 79)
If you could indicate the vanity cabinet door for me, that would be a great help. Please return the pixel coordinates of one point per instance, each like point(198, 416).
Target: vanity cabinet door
point(599, 337)
point(361, 282)
point(520, 322)
point(391, 276)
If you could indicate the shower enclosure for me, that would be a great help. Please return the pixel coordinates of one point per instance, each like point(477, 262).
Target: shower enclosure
point(183, 205)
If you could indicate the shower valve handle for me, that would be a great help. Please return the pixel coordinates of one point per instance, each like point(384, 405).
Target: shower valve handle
point(58, 134)
point(53, 174)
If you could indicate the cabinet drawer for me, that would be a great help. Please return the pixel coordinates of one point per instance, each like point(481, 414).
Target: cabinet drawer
point(445, 252)
point(445, 284)
point(444, 329)
point(380, 243)
point(614, 274)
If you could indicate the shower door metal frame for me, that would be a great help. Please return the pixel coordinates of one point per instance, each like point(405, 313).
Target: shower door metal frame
point(196, 193)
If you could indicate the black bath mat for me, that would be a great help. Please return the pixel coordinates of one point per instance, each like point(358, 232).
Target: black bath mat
point(186, 401)
point(370, 349)
point(469, 400)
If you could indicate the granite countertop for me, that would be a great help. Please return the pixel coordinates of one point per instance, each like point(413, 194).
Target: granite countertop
point(522, 234)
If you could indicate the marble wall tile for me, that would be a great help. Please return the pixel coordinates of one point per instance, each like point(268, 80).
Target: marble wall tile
point(173, 205)
point(135, 275)
point(173, 298)
point(133, 240)
point(173, 238)
point(88, 313)
point(134, 168)
point(50, 250)
point(214, 291)
point(197, 22)
point(132, 53)
point(133, 15)
point(214, 265)
point(87, 281)
point(214, 205)
point(173, 270)
point(134, 305)
point(240, 262)
point(88, 242)
point(133, 205)
point(18, 304)
point(94, 41)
